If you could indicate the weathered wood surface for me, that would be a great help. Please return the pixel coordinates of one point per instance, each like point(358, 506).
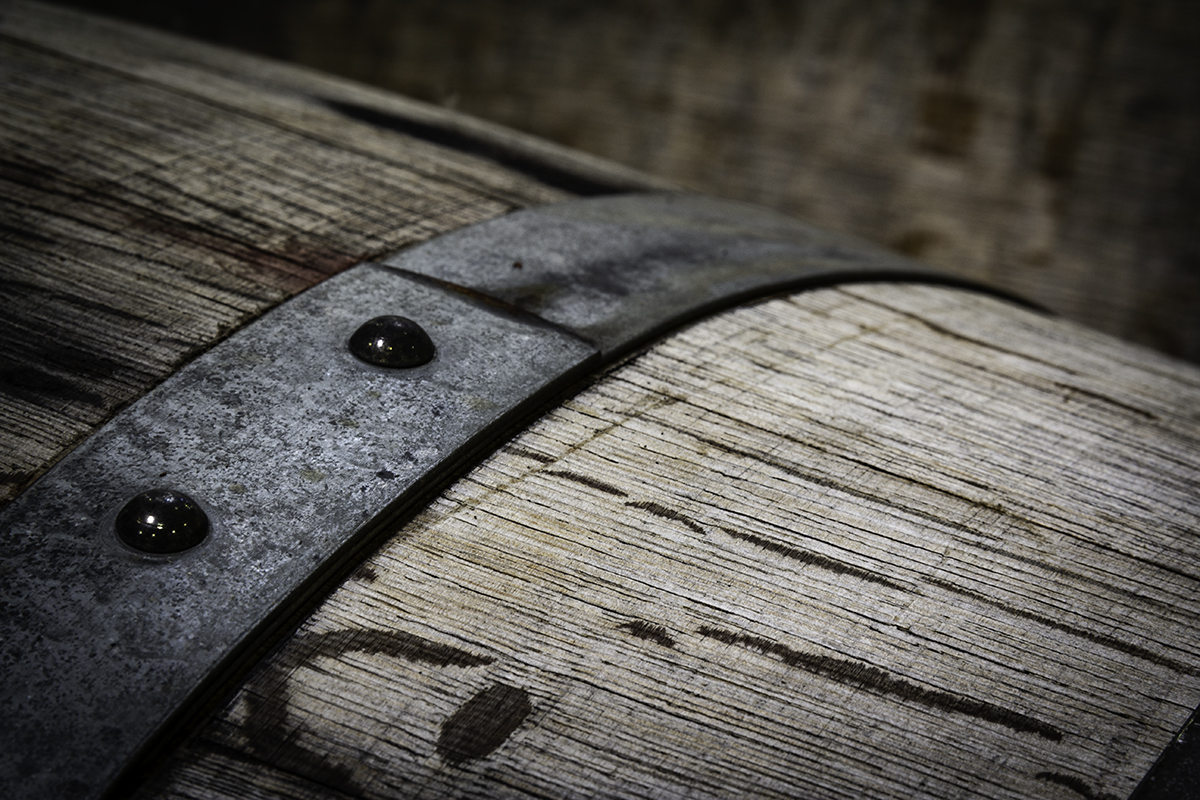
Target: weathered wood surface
point(869, 541)
point(1052, 148)
point(156, 194)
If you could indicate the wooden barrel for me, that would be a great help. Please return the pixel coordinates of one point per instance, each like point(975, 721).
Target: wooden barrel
point(852, 530)
point(874, 540)
point(1043, 147)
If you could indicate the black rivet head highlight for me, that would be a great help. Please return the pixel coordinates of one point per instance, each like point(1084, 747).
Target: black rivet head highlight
point(390, 341)
point(162, 521)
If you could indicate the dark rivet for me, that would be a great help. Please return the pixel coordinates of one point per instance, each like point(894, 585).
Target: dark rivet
point(162, 521)
point(392, 342)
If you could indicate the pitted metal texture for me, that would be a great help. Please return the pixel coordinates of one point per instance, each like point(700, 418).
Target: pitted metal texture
point(291, 445)
point(298, 452)
point(620, 270)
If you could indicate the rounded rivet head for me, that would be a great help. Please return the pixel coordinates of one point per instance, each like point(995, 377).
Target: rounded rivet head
point(392, 342)
point(162, 521)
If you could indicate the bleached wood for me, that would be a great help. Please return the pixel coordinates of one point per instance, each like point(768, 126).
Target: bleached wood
point(156, 194)
point(869, 541)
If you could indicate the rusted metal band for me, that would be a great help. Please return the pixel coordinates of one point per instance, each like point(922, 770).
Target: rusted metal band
point(301, 456)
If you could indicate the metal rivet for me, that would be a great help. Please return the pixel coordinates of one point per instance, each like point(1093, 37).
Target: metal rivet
point(162, 521)
point(392, 342)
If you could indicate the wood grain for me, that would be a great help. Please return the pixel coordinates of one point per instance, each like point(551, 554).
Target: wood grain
point(157, 194)
point(1049, 147)
point(868, 541)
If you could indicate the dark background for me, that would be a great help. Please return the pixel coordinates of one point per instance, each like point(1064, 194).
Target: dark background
point(1052, 148)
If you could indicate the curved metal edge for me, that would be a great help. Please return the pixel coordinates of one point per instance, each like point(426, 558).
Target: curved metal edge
point(294, 447)
point(108, 658)
point(619, 271)
point(290, 613)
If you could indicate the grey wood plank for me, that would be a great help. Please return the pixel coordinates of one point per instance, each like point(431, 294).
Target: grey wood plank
point(156, 195)
point(869, 541)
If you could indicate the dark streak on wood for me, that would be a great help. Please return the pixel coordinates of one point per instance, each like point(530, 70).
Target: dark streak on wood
point(586, 481)
point(365, 573)
point(943, 330)
point(1074, 390)
point(1054, 569)
point(826, 483)
point(40, 387)
point(147, 216)
point(946, 521)
point(1107, 641)
point(667, 513)
point(813, 559)
point(16, 479)
point(1075, 784)
point(846, 664)
point(398, 644)
point(274, 737)
point(229, 770)
point(855, 673)
point(483, 723)
point(649, 631)
point(529, 454)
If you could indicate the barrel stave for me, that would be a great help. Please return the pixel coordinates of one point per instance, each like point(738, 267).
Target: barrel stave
point(876, 540)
